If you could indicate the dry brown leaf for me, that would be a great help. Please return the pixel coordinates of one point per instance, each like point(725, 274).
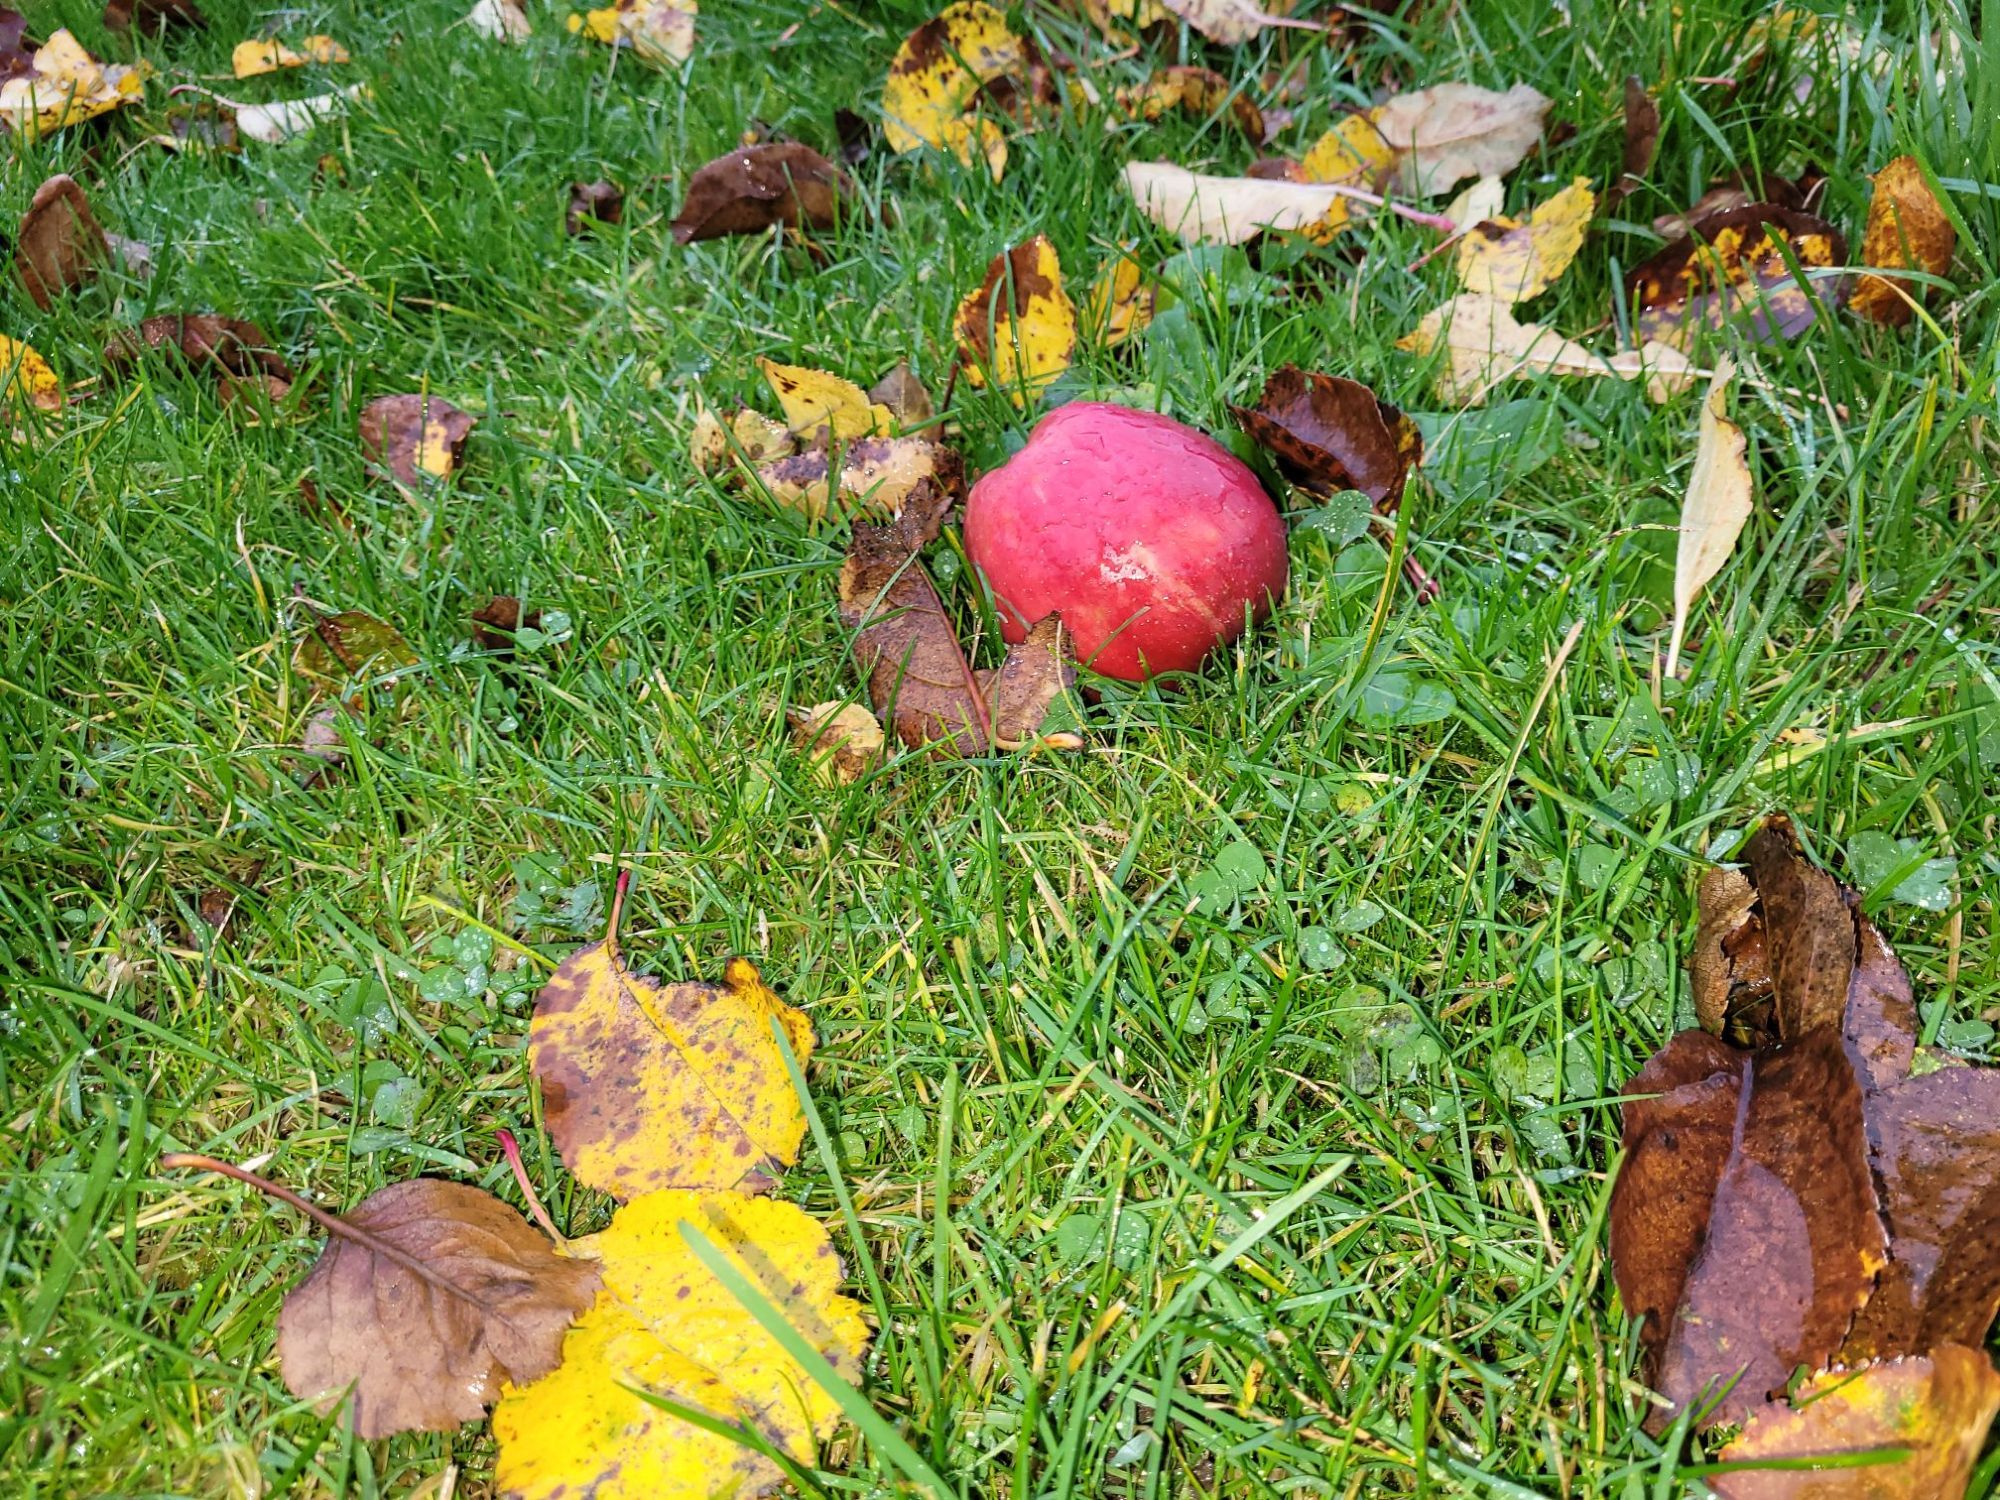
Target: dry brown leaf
point(152, 17)
point(750, 190)
point(1458, 130)
point(1329, 434)
point(1907, 227)
point(61, 244)
point(1715, 508)
point(1231, 22)
point(598, 202)
point(418, 439)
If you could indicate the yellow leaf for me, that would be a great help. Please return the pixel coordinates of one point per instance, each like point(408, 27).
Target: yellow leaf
point(938, 69)
point(251, 58)
point(666, 1325)
point(976, 138)
point(1716, 507)
point(27, 377)
point(1907, 226)
point(842, 742)
point(1512, 261)
point(649, 1086)
point(1106, 14)
point(1121, 303)
point(1018, 326)
point(659, 31)
point(813, 399)
point(878, 474)
point(67, 86)
point(1478, 203)
point(1353, 153)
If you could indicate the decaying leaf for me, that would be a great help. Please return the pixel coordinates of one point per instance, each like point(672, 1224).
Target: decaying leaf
point(1022, 690)
point(1330, 434)
point(648, 1086)
point(1485, 345)
point(1729, 971)
point(1478, 203)
point(275, 123)
point(352, 648)
point(752, 189)
point(1197, 91)
point(876, 475)
point(1458, 130)
point(937, 73)
point(1513, 261)
point(1230, 22)
point(814, 400)
point(1734, 267)
point(903, 396)
point(1229, 210)
point(1353, 152)
point(64, 85)
point(597, 202)
point(495, 621)
point(1937, 1408)
point(1018, 326)
point(61, 243)
point(748, 437)
point(26, 377)
point(1642, 138)
point(1715, 508)
point(666, 1324)
point(841, 741)
point(1907, 227)
point(660, 32)
point(418, 439)
point(499, 21)
point(206, 342)
point(1121, 302)
point(152, 17)
point(253, 58)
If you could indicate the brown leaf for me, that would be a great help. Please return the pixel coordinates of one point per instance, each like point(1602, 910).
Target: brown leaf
point(900, 390)
point(1793, 1242)
point(749, 190)
point(61, 243)
point(1276, 169)
point(415, 437)
point(601, 201)
point(1735, 190)
point(1732, 268)
point(855, 134)
point(1457, 130)
point(494, 622)
point(17, 52)
point(1936, 1408)
point(1022, 689)
point(207, 342)
point(1907, 226)
point(1196, 91)
point(1730, 970)
point(203, 126)
point(429, 1297)
point(1642, 137)
point(152, 17)
point(1328, 433)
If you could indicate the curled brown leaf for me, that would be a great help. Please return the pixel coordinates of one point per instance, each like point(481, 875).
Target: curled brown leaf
point(61, 244)
point(1328, 433)
point(416, 438)
point(750, 190)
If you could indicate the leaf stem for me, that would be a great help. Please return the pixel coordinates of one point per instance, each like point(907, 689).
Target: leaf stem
point(520, 1168)
point(194, 1162)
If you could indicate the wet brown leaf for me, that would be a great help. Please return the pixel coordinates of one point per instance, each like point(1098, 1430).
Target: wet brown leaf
point(1642, 138)
point(1730, 970)
point(1735, 190)
point(599, 202)
point(494, 622)
point(1732, 267)
point(152, 17)
point(207, 342)
point(752, 189)
point(1907, 226)
point(418, 439)
point(61, 243)
point(1328, 433)
point(903, 395)
point(1025, 686)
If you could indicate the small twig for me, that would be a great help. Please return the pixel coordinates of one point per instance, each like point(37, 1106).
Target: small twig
point(1375, 200)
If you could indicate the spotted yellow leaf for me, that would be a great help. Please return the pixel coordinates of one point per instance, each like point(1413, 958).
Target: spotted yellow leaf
point(813, 399)
point(1907, 226)
point(648, 1086)
point(1018, 326)
point(1512, 261)
point(249, 59)
point(67, 87)
point(1121, 301)
point(26, 376)
point(659, 31)
point(936, 72)
point(1106, 15)
point(665, 1324)
point(1351, 154)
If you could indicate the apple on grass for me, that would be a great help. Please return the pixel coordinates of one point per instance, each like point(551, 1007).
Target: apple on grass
point(1152, 541)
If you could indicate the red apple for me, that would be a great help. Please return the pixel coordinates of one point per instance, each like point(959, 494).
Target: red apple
point(1151, 540)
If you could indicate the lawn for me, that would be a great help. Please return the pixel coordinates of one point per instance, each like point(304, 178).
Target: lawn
point(1398, 925)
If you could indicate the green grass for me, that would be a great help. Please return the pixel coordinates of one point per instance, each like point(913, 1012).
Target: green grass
point(1060, 1100)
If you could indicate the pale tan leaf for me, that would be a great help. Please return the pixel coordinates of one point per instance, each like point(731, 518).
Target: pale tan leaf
point(1230, 22)
point(1716, 507)
point(1226, 210)
point(1458, 130)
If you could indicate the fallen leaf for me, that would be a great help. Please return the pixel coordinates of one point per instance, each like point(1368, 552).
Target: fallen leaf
point(1196, 91)
point(880, 475)
point(417, 438)
point(28, 377)
point(207, 342)
point(1458, 130)
point(353, 648)
point(1120, 303)
point(254, 58)
point(499, 21)
point(903, 396)
point(648, 1086)
point(1329, 434)
point(494, 622)
point(1907, 227)
point(204, 126)
point(1642, 139)
point(660, 32)
point(1715, 508)
point(1485, 345)
point(1937, 1407)
point(1106, 16)
point(1019, 326)
point(274, 124)
point(1735, 190)
point(1478, 203)
point(840, 741)
point(1733, 267)
point(61, 242)
point(1729, 970)
point(1229, 210)
point(17, 53)
point(855, 134)
point(1231, 22)
point(749, 437)
point(813, 399)
point(667, 1325)
point(1025, 686)
point(1513, 261)
point(64, 86)
point(936, 74)
point(597, 202)
point(152, 17)
point(750, 190)
point(1354, 152)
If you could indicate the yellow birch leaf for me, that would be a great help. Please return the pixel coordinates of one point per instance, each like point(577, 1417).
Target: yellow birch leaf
point(1907, 226)
point(67, 87)
point(648, 1086)
point(28, 377)
point(1018, 326)
point(660, 32)
point(938, 69)
point(1353, 153)
point(1121, 303)
point(1716, 507)
point(976, 138)
point(813, 399)
point(1512, 261)
point(666, 1325)
point(251, 58)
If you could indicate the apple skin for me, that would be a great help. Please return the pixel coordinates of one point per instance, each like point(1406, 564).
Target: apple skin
point(1150, 539)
